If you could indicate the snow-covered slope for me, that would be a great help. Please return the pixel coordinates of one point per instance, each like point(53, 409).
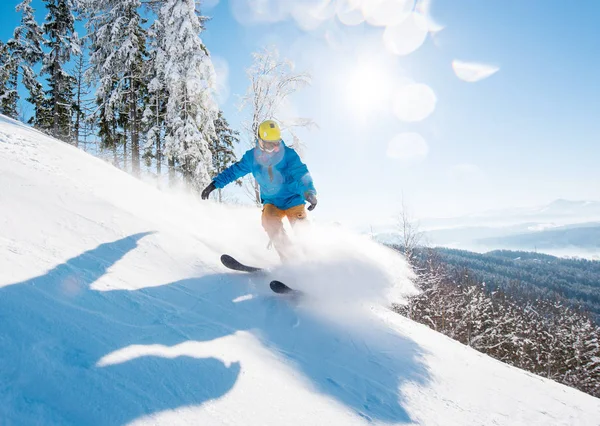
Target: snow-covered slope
point(114, 309)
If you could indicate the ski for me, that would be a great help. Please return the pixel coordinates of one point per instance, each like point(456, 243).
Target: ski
point(231, 263)
point(276, 286)
point(280, 288)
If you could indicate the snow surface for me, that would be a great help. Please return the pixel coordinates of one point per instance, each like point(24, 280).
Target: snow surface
point(114, 309)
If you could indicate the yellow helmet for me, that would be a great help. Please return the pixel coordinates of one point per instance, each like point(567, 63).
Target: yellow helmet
point(269, 131)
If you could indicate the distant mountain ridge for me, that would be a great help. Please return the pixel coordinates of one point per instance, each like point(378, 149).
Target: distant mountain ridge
point(561, 211)
point(582, 237)
point(562, 227)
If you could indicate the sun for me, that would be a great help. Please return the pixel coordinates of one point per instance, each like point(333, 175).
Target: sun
point(367, 88)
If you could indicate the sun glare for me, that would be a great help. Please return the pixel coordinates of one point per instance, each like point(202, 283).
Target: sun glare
point(367, 88)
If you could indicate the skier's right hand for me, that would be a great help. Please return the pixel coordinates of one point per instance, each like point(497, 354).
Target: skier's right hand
point(210, 188)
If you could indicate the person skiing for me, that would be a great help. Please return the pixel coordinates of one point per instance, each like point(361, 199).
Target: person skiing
point(284, 180)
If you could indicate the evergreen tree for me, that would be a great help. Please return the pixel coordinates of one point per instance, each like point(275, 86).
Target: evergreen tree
point(222, 146)
point(189, 80)
point(118, 44)
point(588, 350)
point(62, 41)
point(156, 105)
point(9, 96)
point(26, 45)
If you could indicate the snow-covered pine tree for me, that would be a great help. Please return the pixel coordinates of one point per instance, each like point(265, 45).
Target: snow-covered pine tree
point(189, 81)
point(504, 333)
point(9, 78)
point(480, 318)
point(555, 338)
point(580, 360)
point(118, 45)
point(62, 41)
point(26, 45)
point(9, 96)
point(589, 358)
point(156, 105)
point(222, 147)
point(532, 337)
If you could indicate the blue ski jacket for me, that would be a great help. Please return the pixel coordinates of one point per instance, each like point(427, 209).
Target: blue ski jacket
point(283, 178)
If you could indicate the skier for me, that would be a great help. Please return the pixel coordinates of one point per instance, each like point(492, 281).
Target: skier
point(285, 184)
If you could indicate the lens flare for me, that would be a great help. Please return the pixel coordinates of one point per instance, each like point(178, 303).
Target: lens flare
point(414, 102)
point(406, 37)
point(472, 72)
point(387, 12)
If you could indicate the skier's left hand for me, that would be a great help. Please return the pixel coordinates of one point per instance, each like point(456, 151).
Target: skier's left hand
point(312, 199)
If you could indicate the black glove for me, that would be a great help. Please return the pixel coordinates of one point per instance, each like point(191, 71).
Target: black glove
point(210, 188)
point(311, 197)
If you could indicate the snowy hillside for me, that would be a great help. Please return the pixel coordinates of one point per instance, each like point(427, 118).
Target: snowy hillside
point(114, 309)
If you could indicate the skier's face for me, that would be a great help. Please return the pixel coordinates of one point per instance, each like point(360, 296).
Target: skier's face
point(268, 146)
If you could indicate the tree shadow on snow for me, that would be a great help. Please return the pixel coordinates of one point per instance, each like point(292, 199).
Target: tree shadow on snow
point(54, 330)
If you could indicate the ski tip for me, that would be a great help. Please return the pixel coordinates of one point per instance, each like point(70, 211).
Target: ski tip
point(280, 288)
point(231, 263)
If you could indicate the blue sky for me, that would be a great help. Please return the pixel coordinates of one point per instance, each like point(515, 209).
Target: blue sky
point(525, 135)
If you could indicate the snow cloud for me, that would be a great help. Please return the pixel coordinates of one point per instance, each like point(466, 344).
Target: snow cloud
point(408, 147)
point(336, 266)
point(414, 102)
point(472, 72)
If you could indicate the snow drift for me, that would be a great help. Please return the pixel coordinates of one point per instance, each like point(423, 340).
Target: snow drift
point(114, 309)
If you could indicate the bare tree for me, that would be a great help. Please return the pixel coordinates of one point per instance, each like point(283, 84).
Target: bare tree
point(83, 105)
point(272, 81)
point(430, 273)
point(411, 236)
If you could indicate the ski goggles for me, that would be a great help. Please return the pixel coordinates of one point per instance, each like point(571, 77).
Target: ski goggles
point(269, 146)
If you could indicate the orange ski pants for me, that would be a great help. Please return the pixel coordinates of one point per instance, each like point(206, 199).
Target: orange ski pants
point(272, 222)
